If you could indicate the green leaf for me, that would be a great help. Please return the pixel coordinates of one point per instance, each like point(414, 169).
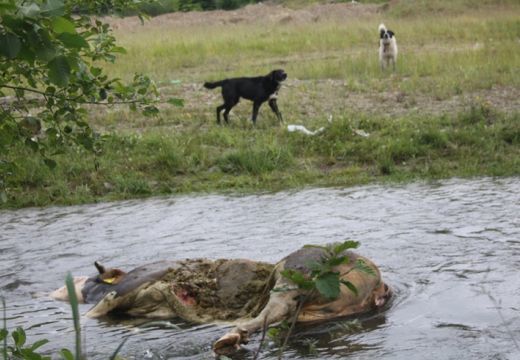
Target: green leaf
point(86, 141)
point(61, 25)
point(51, 164)
point(335, 261)
point(46, 53)
point(54, 7)
point(75, 62)
point(176, 102)
point(31, 10)
point(66, 354)
point(42, 44)
point(74, 41)
point(38, 344)
point(150, 111)
point(19, 337)
point(328, 285)
point(28, 354)
point(298, 278)
point(10, 45)
point(273, 332)
point(350, 286)
point(361, 265)
point(6, 7)
point(346, 245)
point(59, 71)
point(3, 334)
point(95, 71)
point(315, 266)
point(32, 144)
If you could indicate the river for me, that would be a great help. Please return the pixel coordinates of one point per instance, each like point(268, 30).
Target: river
point(450, 249)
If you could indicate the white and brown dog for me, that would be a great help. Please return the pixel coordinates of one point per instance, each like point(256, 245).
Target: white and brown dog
point(387, 47)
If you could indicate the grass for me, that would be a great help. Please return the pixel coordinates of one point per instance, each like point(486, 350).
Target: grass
point(475, 142)
point(450, 109)
point(472, 51)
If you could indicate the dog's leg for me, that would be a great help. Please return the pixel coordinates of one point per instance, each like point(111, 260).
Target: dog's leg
point(219, 110)
point(226, 115)
point(229, 103)
point(274, 106)
point(226, 112)
point(393, 64)
point(256, 107)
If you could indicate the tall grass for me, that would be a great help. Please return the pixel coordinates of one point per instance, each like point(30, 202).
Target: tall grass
point(75, 314)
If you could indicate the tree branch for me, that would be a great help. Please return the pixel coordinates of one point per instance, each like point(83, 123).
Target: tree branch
point(44, 94)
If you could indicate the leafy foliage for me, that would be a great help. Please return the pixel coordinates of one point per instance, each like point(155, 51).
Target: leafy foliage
point(323, 277)
point(20, 350)
point(50, 73)
point(154, 8)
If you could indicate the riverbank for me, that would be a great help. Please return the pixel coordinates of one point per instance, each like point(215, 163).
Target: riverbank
point(351, 150)
point(450, 109)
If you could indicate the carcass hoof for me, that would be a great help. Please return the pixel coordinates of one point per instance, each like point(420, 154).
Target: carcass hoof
point(230, 343)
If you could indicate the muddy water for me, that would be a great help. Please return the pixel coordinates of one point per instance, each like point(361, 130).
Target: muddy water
point(451, 250)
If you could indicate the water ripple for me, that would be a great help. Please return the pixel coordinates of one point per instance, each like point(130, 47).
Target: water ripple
point(443, 246)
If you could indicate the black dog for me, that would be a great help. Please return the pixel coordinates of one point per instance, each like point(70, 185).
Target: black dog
point(257, 89)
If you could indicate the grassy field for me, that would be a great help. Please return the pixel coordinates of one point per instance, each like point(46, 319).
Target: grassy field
point(451, 108)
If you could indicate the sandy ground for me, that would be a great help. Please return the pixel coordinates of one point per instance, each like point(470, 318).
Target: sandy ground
point(257, 13)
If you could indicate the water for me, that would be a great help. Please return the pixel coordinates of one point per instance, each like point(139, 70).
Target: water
point(451, 251)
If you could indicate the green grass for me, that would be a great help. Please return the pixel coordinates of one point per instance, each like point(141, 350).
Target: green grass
point(473, 50)
point(448, 110)
point(479, 141)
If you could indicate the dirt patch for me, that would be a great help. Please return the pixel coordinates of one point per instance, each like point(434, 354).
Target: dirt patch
point(251, 14)
point(321, 98)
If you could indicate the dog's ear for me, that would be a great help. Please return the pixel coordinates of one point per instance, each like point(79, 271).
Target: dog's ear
point(100, 268)
point(381, 33)
point(391, 33)
point(272, 76)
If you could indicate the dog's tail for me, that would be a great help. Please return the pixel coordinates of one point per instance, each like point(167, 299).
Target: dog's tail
point(382, 27)
point(212, 85)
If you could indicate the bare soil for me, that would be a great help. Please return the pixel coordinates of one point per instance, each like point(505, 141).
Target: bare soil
point(324, 98)
point(258, 13)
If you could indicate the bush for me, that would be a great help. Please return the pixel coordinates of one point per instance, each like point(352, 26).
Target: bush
point(159, 7)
